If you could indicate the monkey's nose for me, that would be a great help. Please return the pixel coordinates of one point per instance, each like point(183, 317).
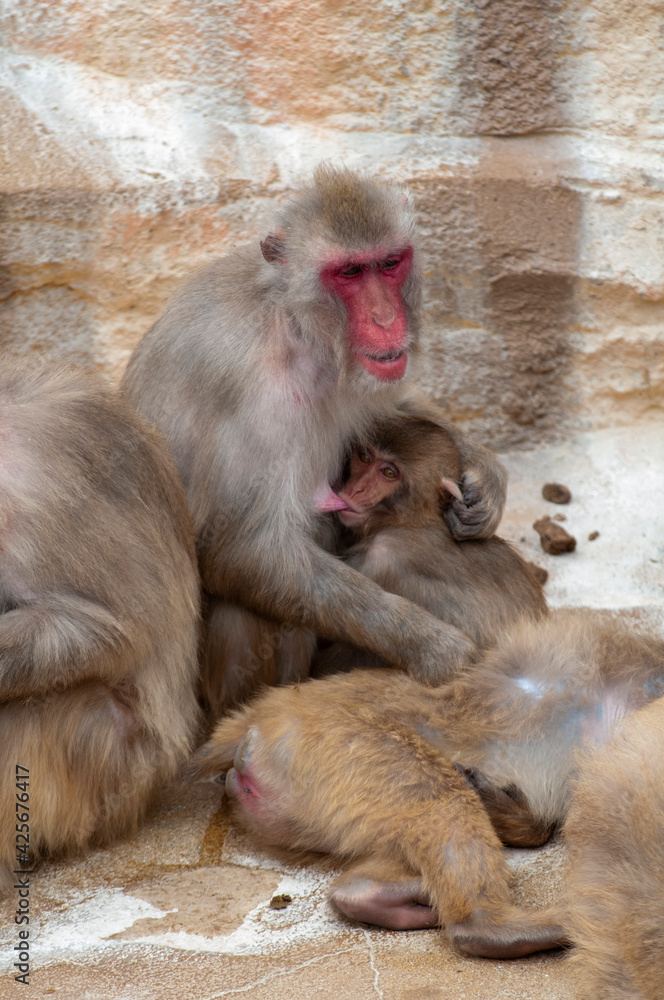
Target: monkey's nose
point(385, 317)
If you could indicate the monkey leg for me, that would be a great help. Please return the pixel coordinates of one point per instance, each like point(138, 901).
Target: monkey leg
point(509, 811)
point(88, 763)
point(474, 903)
point(243, 651)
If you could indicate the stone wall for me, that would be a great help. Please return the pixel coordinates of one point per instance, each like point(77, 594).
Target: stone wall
point(139, 140)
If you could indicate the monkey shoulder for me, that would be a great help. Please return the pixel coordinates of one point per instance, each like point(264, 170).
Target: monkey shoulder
point(215, 347)
point(398, 550)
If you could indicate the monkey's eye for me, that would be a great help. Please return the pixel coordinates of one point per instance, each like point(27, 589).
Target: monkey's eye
point(390, 263)
point(351, 271)
point(389, 472)
point(365, 457)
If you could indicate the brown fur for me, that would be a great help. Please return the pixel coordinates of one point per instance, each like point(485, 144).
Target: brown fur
point(370, 778)
point(251, 377)
point(378, 776)
point(98, 610)
point(480, 587)
point(615, 832)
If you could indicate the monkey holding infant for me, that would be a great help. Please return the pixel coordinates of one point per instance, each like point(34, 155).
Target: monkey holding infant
point(261, 372)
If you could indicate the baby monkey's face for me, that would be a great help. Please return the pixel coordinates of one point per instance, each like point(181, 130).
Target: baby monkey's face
point(374, 477)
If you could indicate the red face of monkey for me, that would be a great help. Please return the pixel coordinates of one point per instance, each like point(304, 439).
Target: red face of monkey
point(369, 285)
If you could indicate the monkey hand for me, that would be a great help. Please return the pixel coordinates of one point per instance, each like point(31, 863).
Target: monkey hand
point(450, 650)
point(484, 489)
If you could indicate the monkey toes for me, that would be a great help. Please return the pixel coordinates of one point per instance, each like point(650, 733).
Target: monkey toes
point(509, 811)
point(519, 933)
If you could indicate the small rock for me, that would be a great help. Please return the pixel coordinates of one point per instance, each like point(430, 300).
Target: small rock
point(556, 493)
point(593, 535)
point(554, 539)
point(280, 901)
point(540, 574)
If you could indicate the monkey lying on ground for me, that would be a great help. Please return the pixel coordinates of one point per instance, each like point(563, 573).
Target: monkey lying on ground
point(615, 880)
point(395, 496)
point(358, 765)
point(384, 776)
point(260, 373)
point(98, 613)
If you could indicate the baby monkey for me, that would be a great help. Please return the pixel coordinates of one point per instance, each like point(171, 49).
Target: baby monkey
point(393, 497)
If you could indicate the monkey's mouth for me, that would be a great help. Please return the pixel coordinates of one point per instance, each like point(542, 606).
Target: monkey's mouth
point(351, 517)
point(389, 366)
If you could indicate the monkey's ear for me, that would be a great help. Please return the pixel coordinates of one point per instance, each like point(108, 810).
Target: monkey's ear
point(273, 247)
point(449, 486)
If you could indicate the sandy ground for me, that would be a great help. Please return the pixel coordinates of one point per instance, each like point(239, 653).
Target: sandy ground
point(182, 910)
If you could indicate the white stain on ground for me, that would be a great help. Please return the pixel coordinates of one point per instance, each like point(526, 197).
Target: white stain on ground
point(263, 930)
point(98, 921)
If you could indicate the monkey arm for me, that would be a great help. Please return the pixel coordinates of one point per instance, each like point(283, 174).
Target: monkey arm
point(312, 589)
point(484, 488)
point(55, 642)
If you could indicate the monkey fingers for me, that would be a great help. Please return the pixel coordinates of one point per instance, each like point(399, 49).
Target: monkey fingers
point(484, 489)
point(509, 811)
point(463, 516)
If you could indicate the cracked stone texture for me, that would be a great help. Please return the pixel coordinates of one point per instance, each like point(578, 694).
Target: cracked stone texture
point(138, 141)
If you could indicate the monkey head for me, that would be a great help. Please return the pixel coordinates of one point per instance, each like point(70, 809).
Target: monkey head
point(401, 478)
point(350, 243)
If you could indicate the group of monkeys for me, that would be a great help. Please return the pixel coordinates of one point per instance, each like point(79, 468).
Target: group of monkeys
point(317, 517)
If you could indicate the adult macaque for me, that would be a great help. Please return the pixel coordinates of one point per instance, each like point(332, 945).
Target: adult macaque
point(395, 495)
point(615, 832)
point(260, 373)
point(98, 613)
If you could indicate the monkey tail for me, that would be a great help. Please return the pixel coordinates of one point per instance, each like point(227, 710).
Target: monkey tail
point(216, 756)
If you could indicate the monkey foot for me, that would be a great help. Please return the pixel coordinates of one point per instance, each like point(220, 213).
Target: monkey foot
point(398, 906)
point(526, 934)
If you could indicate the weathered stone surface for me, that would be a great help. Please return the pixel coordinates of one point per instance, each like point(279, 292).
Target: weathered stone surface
point(137, 142)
